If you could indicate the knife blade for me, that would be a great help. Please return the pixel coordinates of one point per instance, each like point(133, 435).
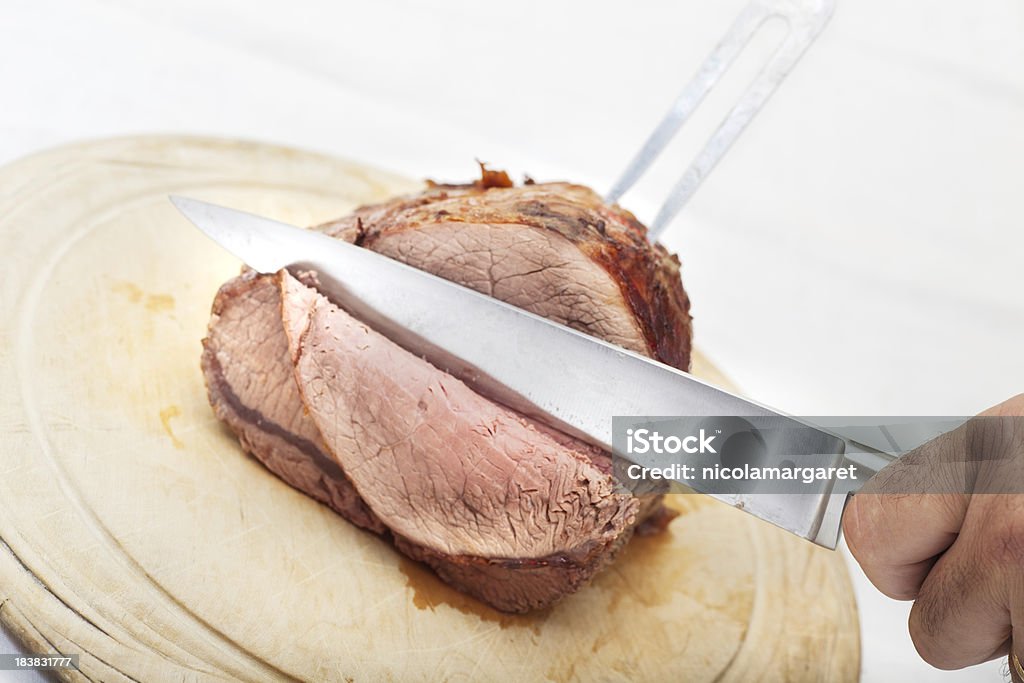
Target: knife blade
point(550, 372)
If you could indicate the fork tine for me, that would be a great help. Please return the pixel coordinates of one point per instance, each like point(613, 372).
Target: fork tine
point(707, 76)
point(805, 19)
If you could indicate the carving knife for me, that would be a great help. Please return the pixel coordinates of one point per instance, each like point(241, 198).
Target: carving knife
point(565, 378)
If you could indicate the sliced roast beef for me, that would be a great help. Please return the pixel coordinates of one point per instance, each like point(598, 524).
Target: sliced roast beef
point(507, 510)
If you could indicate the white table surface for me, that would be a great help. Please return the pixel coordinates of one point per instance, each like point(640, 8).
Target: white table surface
point(859, 251)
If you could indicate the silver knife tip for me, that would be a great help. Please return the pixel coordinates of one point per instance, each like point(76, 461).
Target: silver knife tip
point(183, 204)
point(198, 212)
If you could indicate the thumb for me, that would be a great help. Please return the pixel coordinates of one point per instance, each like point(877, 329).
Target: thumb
point(896, 536)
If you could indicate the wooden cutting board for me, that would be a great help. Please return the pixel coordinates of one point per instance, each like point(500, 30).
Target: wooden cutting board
point(136, 533)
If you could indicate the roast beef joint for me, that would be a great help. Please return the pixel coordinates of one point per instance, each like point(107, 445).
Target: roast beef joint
point(500, 506)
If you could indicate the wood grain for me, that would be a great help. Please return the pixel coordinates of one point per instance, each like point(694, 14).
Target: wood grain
point(135, 533)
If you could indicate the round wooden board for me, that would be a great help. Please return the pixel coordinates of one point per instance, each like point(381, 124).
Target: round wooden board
point(136, 533)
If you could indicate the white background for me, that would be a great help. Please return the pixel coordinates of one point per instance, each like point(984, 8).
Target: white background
point(859, 251)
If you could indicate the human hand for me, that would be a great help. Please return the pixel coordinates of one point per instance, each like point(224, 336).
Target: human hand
point(944, 526)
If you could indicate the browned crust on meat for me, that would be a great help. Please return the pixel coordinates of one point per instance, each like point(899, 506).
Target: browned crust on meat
point(647, 275)
point(488, 178)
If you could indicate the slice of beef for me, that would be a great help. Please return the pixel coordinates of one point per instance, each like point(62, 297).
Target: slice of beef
point(569, 257)
point(466, 484)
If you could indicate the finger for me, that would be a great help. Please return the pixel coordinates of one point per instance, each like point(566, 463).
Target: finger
point(975, 592)
point(895, 537)
point(962, 612)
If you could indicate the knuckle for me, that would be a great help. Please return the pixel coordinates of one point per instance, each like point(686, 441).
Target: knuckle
point(943, 608)
point(924, 636)
point(930, 632)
